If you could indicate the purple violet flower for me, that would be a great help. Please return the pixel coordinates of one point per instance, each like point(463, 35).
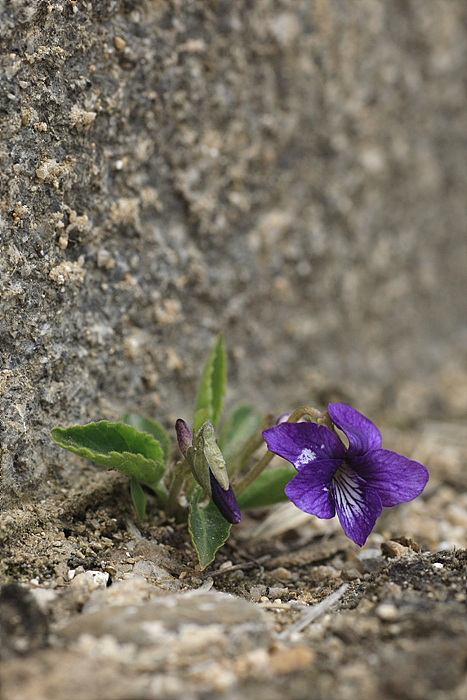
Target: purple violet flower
point(356, 482)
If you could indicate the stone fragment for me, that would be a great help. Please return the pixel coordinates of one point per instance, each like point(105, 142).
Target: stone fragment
point(370, 560)
point(256, 592)
point(392, 549)
point(179, 627)
point(281, 574)
point(23, 625)
point(387, 612)
point(285, 660)
point(277, 592)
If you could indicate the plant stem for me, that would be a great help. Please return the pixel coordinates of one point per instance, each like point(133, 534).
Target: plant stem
point(160, 491)
point(180, 472)
point(249, 448)
point(253, 473)
point(305, 411)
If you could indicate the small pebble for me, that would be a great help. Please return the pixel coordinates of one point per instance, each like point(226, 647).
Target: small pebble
point(281, 573)
point(350, 574)
point(277, 592)
point(256, 592)
point(387, 612)
point(370, 560)
point(393, 549)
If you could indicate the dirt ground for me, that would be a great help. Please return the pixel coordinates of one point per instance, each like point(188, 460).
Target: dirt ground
point(397, 629)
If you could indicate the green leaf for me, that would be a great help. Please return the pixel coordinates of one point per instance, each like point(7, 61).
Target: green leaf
point(212, 386)
point(139, 499)
point(201, 416)
point(114, 445)
point(209, 530)
point(218, 380)
point(144, 424)
point(267, 489)
point(205, 459)
point(241, 423)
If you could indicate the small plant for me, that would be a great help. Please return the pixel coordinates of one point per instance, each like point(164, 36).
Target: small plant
point(219, 477)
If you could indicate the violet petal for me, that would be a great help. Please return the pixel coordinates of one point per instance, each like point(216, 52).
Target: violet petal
point(362, 433)
point(310, 489)
point(396, 478)
point(303, 443)
point(357, 504)
point(225, 501)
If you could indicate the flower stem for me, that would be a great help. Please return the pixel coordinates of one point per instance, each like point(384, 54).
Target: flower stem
point(253, 473)
point(305, 411)
point(249, 448)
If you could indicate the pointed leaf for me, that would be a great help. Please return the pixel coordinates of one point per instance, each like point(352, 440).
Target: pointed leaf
point(114, 445)
point(218, 380)
point(201, 416)
point(212, 386)
point(139, 499)
point(241, 423)
point(209, 530)
point(267, 489)
point(144, 424)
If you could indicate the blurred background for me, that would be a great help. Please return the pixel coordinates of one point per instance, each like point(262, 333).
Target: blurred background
point(291, 173)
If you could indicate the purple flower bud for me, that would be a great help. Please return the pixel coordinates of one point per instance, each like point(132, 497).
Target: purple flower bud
point(184, 436)
point(281, 419)
point(225, 501)
point(285, 417)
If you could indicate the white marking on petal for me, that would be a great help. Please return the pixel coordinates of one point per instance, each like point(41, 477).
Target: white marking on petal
point(305, 457)
point(322, 447)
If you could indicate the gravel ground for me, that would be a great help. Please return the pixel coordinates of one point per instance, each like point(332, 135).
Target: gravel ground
point(93, 606)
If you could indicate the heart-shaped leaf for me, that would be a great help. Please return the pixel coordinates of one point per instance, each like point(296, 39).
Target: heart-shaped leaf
point(144, 424)
point(267, 488)
point(212, 386)
point(209, 530)
point(115, 445)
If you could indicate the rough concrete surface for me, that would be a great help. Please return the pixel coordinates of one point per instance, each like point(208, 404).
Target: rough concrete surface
point(289, 172)
point(292, 173)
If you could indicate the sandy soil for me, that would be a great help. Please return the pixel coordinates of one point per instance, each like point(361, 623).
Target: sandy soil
point(72, 566)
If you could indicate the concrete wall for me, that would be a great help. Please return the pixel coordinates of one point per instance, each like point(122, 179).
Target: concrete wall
point(291, 172)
